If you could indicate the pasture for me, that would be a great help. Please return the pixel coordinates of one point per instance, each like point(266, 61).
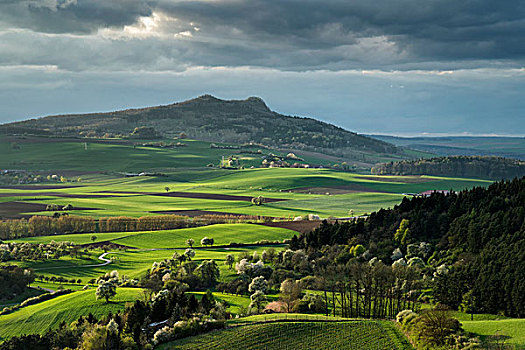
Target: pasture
point(512, 331)
point(117, 155)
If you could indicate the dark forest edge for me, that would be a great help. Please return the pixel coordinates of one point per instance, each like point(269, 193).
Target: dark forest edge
point(469, 246)
point(495, 168)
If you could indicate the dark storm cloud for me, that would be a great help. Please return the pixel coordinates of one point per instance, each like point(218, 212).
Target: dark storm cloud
point(299, 34)
point(431, 29)
point(71, 16)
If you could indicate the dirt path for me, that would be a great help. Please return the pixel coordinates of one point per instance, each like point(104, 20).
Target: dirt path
point(42, 288)
point(102, 257)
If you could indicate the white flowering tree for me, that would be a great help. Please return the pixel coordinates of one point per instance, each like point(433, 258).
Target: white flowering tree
point(258, 283)
point(106, 290)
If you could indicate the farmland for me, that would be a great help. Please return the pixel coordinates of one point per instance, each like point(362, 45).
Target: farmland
point(305, 335)
point(298, 191)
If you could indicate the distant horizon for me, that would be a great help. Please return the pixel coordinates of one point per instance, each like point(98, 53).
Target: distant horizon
point(439, 135)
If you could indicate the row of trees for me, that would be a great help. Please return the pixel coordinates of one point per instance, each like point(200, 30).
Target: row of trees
point(369, 289)
point(64, 224)
point(45, 225)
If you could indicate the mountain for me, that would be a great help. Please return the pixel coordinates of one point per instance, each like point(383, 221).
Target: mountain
point(208, 118)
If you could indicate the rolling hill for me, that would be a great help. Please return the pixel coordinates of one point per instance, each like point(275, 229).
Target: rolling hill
point(211, 119)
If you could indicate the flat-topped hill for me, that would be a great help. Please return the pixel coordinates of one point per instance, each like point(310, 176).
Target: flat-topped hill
point(211, 119)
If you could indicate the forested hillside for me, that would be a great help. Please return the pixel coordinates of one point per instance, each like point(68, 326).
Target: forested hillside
point(211, 119)
point(473, 241)
point(495, 168)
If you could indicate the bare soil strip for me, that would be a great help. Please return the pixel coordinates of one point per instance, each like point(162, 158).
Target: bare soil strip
point(13, 210)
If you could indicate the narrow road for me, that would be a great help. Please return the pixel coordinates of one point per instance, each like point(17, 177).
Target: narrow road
point(102, 257)
point(42, 288)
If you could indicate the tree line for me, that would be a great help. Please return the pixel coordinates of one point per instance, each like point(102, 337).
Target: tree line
point(462, 166)
point(65, 224)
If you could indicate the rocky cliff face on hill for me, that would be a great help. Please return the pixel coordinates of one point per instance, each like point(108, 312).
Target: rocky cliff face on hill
point(211, 119)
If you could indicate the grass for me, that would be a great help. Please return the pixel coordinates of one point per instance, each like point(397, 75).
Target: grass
point(132, 263)
point(57, 286)
point(370, 335)
point(43, 153)
point(83, 238)
point(513, 330)
point(234, 302)
point(222, 234)
point(49, 314)
point(348, 191)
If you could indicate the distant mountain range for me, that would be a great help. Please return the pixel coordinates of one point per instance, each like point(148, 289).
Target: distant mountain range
point(510, 147)
point(208, 118)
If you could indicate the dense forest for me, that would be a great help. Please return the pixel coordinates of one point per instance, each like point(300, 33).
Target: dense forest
point(13, 280)
point(211, 119)
point(473, 241)
point(495, 168)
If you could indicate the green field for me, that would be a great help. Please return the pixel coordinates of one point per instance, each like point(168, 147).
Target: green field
point(223, 234)
point(78, 238)
point(48, 153)
point(371, 335)
point(512, 330)
point(319, 191)
point(49, 314)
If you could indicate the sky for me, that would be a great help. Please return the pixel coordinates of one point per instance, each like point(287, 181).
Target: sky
point(398, 67)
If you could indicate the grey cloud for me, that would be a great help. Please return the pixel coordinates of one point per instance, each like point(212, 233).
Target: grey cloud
point(71, 16)
point(443, 29)
point(286, 34)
